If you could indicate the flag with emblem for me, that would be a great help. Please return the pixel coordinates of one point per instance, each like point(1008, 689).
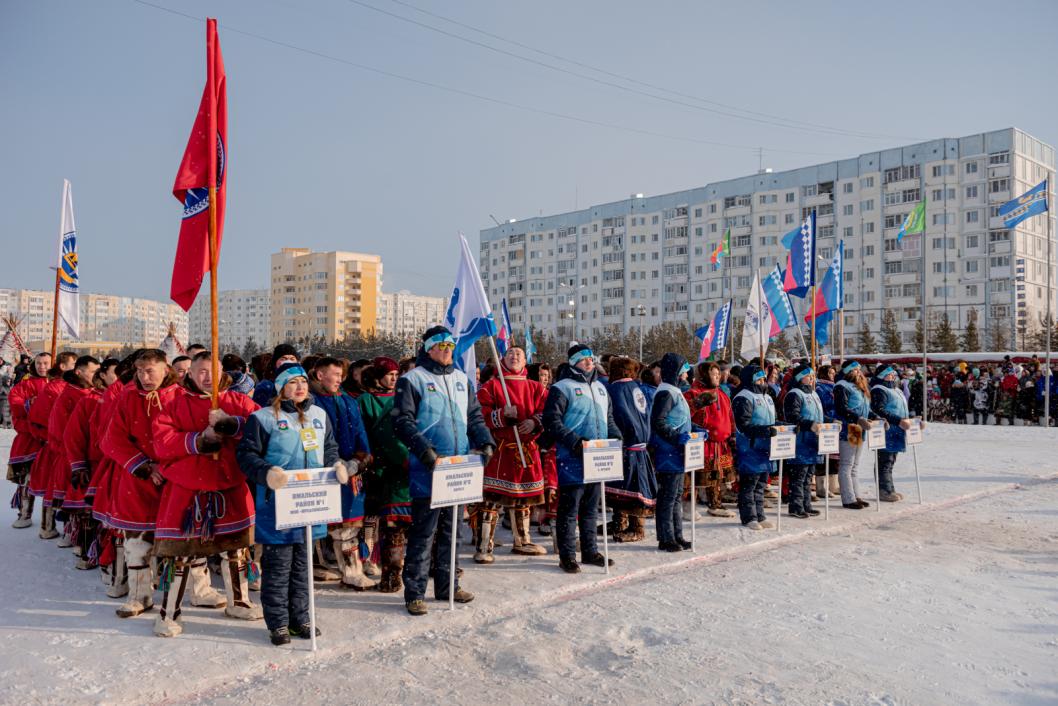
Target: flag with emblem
point(69, 307)
point(801, 258)
point(915, 222)
point(1029, 204)
point(830, 296)
point(723, 249)
point(757, 325)
point(714, 336)
point(469, 315)
point(783, 316)
point(204, 166)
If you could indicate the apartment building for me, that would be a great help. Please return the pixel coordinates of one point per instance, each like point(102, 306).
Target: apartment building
point(242, 316)
point(108, 321)
point(406, 315)
point(323, 294)
point(645, 260)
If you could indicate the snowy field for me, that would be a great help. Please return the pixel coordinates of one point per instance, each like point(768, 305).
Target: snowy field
point(953, 601)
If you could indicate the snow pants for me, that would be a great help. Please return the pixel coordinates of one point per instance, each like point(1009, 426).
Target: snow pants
point(669, 509)
point(886, 461)
point(801, 478)
point(421, 548)
point(578, 505)
point(284, 585)
point(751, 496)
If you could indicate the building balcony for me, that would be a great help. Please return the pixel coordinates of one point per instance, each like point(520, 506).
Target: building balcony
point(737, 211)
point(819, 200)
point(901, 185)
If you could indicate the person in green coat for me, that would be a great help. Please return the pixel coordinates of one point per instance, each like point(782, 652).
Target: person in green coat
point(387, 481)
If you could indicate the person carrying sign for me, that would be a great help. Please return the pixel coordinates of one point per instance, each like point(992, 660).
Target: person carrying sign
point(435, 414)
point(292, 433)
point(754, 413)
point(670, 425)
point(889, 403)
point(633, 498)
point(803, 409)
point(852, 407)
point(711, 410)
point(578, 409)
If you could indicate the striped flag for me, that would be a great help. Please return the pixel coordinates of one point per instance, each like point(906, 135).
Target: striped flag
point(69, 285)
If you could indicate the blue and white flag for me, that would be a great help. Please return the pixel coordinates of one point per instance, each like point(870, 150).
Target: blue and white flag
point(801, 258)
point(530, 347)
point(469, 315)
point(505, 338)
point(1027, 205)
point(69, 297)
point(714, 336)
point(783, 316)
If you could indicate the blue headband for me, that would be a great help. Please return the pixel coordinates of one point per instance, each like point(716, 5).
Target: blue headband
point(885, 372)
point(686, 367)
point(850, 366)
point(579, 356)
point(804, 373)
point(444, 337)
point(294, 371)
point(759, 375)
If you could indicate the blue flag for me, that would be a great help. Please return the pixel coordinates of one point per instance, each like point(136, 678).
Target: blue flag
point(714, 336)
point(469, 315)
point(801, 258)
point(505, 338)
point(782, 313)
point(530, 347)
point(1032, 202)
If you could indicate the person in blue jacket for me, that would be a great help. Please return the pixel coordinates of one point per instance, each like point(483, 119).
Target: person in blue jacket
point(803, 409)
point(355, 451)
point(754, 413)
point(578, 409)
point(852, 407)
point(825, 389)
point(889, 403)
point(435, 414)
point(265, 390)
point(670, 425)
point(290, 434)
point(633, 497)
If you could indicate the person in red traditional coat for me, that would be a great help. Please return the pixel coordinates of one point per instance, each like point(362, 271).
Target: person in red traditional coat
point(43, 466)
point(514, 476)
point(711, 410)
point(129, 443)
point(78, 386)
point(546, 513)
point(206, 507)
point(26, 446)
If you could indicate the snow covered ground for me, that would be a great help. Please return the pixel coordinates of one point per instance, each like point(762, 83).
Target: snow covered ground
point(954, 601)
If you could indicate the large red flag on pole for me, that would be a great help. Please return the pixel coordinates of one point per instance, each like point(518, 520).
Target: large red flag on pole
point(202, 170)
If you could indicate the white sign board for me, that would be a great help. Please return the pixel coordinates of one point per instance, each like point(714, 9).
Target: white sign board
point(457, 480)
point(829, 438)
point(603, 460)
point(694, 453)
point(914, 433)
point(784, 444)
point(310, 497)
point(876, 435)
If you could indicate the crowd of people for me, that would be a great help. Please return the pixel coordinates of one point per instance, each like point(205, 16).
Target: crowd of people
point(157, 489)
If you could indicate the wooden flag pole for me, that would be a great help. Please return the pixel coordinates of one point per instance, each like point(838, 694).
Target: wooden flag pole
point(211, 146)
point(55, 317)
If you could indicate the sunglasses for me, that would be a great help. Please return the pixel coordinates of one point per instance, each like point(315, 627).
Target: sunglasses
point(446, 346)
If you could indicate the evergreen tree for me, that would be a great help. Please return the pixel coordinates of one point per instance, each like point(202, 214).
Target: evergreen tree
point(867, 345)
point(891, 342)
point(970, 340)
point(943, 338)
point(1000, 331)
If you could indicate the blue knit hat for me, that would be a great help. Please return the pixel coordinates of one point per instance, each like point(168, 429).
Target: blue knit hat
point(287, 373)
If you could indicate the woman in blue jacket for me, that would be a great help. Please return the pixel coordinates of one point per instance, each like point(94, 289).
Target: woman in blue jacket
point(852, 407)
point(889, 403)
point(803, 408)
point(754, 413)
point(290, 434)
point(670, 425)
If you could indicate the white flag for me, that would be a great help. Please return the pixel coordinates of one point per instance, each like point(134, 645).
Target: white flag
point(69, 297)
point(469, 315)
point(757, 324)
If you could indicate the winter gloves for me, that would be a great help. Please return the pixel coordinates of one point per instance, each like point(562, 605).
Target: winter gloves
point(276, 478)
point(342, 473)
point(428, 458)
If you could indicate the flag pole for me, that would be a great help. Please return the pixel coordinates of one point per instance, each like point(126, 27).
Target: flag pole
point(925, 323)
point(813, 295)
point(211, 146)
point(760, 324)
point(58, 271)
point(507, 397)
point(1050, 322)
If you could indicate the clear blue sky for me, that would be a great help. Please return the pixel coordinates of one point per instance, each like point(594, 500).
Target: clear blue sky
point(329, 156)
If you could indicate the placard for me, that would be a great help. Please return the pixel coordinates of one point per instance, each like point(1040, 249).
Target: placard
point(914, 434)
point(457, 480)
point(876, 435)
point(784, 444)
point(829, 438)
point(310, 497)
point(694, 453)
point(603, 460)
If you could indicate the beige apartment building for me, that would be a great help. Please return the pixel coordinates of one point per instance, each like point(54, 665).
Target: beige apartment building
point(108, 321)
point(323, 294)
point(405, 315)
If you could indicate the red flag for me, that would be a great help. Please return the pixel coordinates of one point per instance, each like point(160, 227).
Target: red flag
point(204, 165)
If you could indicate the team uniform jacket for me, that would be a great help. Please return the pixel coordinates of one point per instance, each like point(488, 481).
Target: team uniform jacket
point(129, 442)
point(850, 405)
point(890, 405)
point(105, 474)
point(205, 506)
point(803, 408)
point(631, 415)
point(25, 446)
point(44, 464)
point(58, 420)
point(578, 408)
point(507, 481)
point(74, 433)
point(274, 439)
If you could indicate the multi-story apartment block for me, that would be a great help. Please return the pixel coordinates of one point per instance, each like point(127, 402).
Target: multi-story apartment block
point(645, 260)
point(242, 316)
point(405, 314)
point(107, 321)
point(323, 294)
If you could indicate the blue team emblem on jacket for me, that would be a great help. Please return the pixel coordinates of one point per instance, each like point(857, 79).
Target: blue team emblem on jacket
point(317, 423)
point(430, 387)
point(282, 424)
point(460, 387)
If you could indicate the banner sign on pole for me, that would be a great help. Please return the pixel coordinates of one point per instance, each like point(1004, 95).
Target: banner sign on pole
point(457, 480)
point(876, 436)
point(603, 460)
point(310, 497)
point(694, 453)
point(829, 438)
point(914, 434)
point(783, 444)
